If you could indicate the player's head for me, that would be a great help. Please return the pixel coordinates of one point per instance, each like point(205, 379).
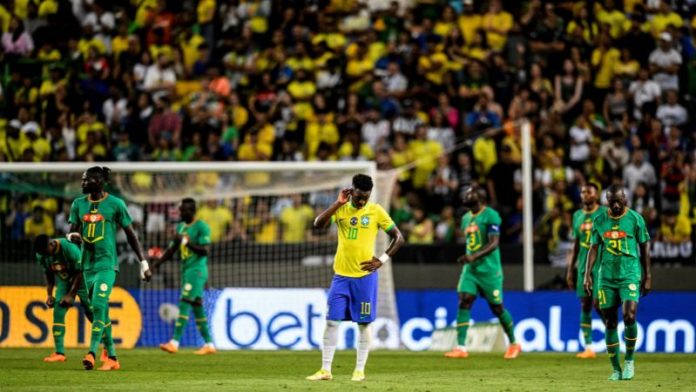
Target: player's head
point(616, 198)
point(94, 179)
point(588, 194)
point(187, 209)
point(362, 189)
point(473, 196)
point(43, 245)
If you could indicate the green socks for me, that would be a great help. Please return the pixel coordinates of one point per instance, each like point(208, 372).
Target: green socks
point(508, 325)
point(612, 340)
point(202, 323)
point(108, 340)
point(586, 327)
point(630, 336)
point(184, 310)
point(463, 322)
point(59, 337)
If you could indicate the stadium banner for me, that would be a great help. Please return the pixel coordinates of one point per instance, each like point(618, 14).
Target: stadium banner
point(270, 319)
point(26, 321)
point(550, 320)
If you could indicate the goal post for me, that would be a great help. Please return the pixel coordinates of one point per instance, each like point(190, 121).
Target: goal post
point(268, 270)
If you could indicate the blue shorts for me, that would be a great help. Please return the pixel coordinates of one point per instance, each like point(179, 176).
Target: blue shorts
point(353, 299)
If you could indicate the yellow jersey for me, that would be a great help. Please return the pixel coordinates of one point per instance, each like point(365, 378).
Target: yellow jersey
point(357, 234)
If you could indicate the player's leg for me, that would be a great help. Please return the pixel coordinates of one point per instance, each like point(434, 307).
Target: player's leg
point(338, 309)
point(104, 285)
point(59, 324)
point(202, 325)
point(629, 297)
point(492, 288)
point(364, 311)
point(100, 285)
point(586, 304)
point(609, 304)
point(185, 305)
point(467, 290)
point(197, 292)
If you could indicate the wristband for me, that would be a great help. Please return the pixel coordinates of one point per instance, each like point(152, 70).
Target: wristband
point(384, 258)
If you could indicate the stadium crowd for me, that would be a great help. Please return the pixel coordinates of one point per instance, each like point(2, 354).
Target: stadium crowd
point(439, 87)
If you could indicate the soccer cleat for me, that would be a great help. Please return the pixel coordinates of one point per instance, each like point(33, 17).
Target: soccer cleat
point(88, 361)
point(321, 375)
point(457, 353)
point(512, 351)
point(110, 364)
point(104, 356)
point(587, 354)
point(168, 347)
point(628, 370)
point(55, 357)
point(615, 376)
point(205, 350)
point(358, 376)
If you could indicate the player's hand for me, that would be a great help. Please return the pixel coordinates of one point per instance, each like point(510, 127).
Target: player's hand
point(67, 300)
point(588, 285)
point(50, 301)
point(145, 273)
point(570, 279)
point(74, 237)
point(344, 195)
point(646, 286)
point(371, 265)
point(465, 259)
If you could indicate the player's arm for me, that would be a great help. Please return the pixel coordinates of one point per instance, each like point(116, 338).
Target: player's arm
point(74, 235)
point(491, 245)
point(572, 262)
point(167, 255)
point(50, 284)
point(201, 250)
point(69, 297)
point(324, 219)
point(591, 259)
point(396, 242)
point(646, 284)
point(138, 249)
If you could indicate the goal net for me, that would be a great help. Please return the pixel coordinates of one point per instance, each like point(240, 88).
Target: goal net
point(268, 268)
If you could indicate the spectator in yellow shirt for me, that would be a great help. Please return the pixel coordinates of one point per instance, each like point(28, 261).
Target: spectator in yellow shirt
point(302, 89)
point(469, 21)
point(426, 153)
point(218, 217)
point(613, 17)
point(318, 131)
point(295, 221)
point(497, 23)
point(675, 228)
point(666, 17)
point(604, 59)
point(38, 223)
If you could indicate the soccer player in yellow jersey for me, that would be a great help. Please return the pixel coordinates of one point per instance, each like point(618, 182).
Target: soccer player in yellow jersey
point(353, 292)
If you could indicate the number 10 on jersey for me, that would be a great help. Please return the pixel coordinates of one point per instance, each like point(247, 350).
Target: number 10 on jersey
point(353, 233)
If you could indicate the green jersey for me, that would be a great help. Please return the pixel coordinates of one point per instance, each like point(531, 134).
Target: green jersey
point(65, 264)
point(198, 233)
point(477, 228)
point(582, 231)
point(99, 220)
point(619, 255)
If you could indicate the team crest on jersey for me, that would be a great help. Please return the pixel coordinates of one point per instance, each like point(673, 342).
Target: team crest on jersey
point(353, 221)
point(104, 287)
point(587, 226)
point(365, 220)
point(92, 218)
point(615, 234)
point(472, 228)
point(58, 267)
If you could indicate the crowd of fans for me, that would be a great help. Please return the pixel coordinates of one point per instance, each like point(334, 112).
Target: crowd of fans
point(436, 86)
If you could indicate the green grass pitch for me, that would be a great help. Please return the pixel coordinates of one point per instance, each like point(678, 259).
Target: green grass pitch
point(151, 370)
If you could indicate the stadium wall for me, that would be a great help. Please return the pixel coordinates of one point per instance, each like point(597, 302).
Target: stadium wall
point(293, 319)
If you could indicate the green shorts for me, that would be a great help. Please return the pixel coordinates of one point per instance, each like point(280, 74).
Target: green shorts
point(489, 286)
point(193, 283)
point(62, 288)
point(99, 285)
point(614, 293)
point(580, 286)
